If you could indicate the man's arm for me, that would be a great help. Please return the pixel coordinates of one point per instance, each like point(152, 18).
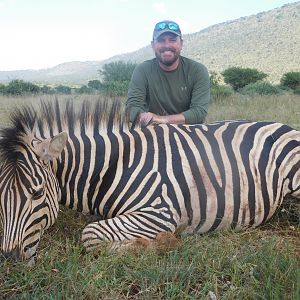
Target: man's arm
point(146, 118)
point(136, 100)
point(200, 97)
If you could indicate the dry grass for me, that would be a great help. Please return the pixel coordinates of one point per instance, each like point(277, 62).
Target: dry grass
point(283, 108)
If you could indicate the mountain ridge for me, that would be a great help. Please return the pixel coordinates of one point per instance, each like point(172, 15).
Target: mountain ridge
point(268, 41)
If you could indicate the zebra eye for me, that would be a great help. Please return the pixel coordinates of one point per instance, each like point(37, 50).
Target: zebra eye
point(37, 194)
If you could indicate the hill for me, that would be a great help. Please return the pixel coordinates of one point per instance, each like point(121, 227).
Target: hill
point(268, 41)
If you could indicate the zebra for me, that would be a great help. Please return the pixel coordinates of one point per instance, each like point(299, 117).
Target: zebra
point(138, 181)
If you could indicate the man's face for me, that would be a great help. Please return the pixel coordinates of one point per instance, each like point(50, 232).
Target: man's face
point(167, 48)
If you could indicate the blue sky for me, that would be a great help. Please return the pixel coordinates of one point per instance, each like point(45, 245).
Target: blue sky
point(37, 34)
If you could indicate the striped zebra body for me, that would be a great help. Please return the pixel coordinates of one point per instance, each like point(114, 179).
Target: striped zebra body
point(187, 178)
point(142, 181)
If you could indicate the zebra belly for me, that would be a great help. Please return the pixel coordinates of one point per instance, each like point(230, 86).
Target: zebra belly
point(231, 207)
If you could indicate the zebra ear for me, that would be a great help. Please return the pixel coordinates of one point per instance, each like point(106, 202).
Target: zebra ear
point(52, 147)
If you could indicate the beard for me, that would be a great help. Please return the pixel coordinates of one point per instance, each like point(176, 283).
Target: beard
point(167, 60)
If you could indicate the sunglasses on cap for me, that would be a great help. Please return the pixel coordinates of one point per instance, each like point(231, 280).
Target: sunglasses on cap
point(167, 25)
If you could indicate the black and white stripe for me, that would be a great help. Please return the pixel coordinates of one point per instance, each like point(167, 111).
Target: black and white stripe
point(142, 181)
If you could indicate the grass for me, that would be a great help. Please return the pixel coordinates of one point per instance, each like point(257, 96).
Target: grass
point(281, 108)
point(257, 264)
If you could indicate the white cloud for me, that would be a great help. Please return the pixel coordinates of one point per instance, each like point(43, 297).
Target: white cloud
point(160, 7)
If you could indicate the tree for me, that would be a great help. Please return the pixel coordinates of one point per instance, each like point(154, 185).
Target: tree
point(62, 89)
point(291, 80)
point(2, 88)
point(21, 87)
point(95, 84)
point(240, 77)
point(45, 89)
point(84, 90)
point(116, 88)
point(117, 71)
point(116, 77)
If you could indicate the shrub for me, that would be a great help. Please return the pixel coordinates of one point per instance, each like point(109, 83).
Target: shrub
point(291, 80)
point(220, 92)
point(260, 88)
point(240, 77)
point(84, 90)
point(2, 88)
point(21, 87)
point(95, 84)
point(215, 79)
point(45, 89)
point(297, 90)
point(283, 87)
point(117, 71)
point(116, 88)
point(62, 89)
point(116, 77)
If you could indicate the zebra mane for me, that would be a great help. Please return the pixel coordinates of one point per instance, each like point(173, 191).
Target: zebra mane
point(56, 116)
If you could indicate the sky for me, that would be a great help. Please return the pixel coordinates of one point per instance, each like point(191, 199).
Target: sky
point(37, 34)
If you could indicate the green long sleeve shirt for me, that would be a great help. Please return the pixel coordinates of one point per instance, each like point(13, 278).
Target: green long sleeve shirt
point(185, 90)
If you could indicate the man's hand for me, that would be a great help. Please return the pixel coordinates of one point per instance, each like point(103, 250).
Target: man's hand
point(147, 118)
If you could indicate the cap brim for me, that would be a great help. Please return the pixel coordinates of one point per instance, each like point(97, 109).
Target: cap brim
point(157, 34)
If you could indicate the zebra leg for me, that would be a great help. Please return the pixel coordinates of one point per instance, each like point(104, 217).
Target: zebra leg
point(127, 232)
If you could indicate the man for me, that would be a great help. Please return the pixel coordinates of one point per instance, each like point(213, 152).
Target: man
point(169, 88)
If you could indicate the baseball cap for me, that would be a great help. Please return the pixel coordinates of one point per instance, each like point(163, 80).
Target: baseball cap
point(166, 26)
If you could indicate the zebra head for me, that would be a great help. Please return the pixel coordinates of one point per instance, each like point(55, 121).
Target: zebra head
point(29, 193)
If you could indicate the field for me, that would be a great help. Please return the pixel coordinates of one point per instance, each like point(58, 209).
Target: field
point(255, 264)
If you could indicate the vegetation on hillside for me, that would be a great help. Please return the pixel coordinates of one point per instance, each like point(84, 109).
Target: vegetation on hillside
point(291, 80)
point(270, 41)
point(240, 77)
point(116, 77)
point(115, 81)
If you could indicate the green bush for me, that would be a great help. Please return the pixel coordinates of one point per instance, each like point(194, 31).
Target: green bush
point(297, 90)
point(84, 90)
point(215, 79)
point(260, 88)
point(21, 87)
point(291, 80)
point(117, 71)
point(283, 87)
point(62, 89)
point(116, 88)
point(45, 89)
point(95, 84)
point(220, 92)
point(116, 77)
point(240, 77)
point(2, 88)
